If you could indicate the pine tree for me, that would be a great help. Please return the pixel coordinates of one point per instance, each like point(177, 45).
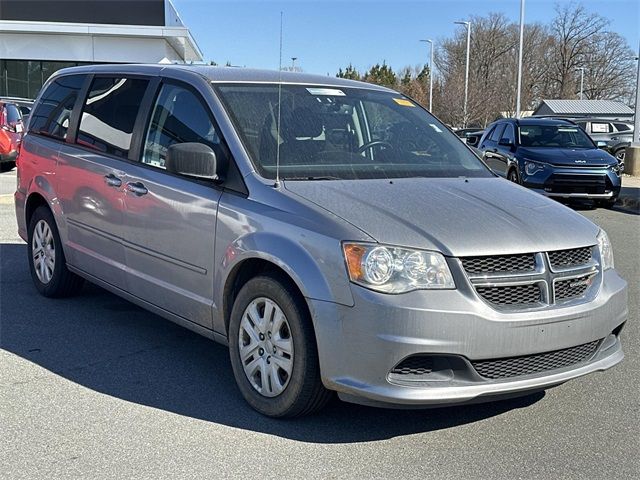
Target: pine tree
point(381, 75)
point(350, 72)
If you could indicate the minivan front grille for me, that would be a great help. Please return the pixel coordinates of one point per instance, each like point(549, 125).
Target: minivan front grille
point(536, 363)
point(534, 280)
point(572, 287)
point(569, 258)
point(511, 295)
point(502, 263)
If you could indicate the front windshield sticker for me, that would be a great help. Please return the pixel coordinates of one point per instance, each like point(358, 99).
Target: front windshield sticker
point(404, 102)
point(326, 91)
point(435, 127)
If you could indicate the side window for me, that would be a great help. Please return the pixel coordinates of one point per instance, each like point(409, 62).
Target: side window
point(178, 117)
point(52, 113)
point(109, 114)
point(509, 134)
point(497, 132)
point(622, 127)
point(600, 127)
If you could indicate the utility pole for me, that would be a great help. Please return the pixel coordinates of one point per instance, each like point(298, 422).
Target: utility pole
point(430, 42)
point(519, 87)
point(466, 72)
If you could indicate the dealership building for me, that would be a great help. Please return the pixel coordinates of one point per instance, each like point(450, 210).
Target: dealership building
point(38, 37)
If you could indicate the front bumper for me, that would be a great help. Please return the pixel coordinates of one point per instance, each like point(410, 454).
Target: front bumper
point(580, 183)
point(359, 346)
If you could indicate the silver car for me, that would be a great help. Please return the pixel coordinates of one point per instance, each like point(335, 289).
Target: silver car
point(334, 234)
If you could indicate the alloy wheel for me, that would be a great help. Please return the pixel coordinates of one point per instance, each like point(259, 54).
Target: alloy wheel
point(43, 251)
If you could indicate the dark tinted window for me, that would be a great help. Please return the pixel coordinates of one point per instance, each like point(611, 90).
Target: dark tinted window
point(178, 117)
point(622, 127)
point(109, 114)
point(52, 113)
point(497, 132)
point(508, 135)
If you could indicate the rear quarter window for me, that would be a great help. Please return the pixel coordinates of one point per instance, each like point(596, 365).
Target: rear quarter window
point(52, 113)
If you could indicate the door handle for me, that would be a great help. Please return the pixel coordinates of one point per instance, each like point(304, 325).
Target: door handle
point(112, 180)
point(136, 188)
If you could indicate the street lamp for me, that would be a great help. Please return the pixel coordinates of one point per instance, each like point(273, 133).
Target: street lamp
point(293, 63)
point(581, 80)
point(430, 42)
point(466, 73)
point(519, 87)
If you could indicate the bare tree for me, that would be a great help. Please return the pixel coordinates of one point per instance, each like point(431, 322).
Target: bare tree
point(572, 30)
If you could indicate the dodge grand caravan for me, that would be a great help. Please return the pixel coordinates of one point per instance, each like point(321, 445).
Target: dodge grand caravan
point(334, 234)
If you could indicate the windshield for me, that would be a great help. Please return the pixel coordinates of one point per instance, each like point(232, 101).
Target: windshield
point(343, 133)
point(555, 136)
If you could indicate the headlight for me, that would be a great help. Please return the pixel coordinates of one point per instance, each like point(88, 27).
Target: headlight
point(615, 169)
point(531, 168)
point(396, 270)
point(606, 252)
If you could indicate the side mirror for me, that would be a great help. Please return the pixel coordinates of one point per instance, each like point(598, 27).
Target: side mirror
point(601, 144)
point(195, 160)
point(472, 140)
point(506, 143)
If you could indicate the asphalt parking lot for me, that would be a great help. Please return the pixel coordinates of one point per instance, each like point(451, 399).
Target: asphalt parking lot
point(94, 387)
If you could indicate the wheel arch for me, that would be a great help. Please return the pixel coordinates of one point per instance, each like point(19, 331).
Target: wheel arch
point(250, 268)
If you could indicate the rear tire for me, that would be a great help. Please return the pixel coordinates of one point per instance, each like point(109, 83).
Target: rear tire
point(47, 262)
point(256, 361)
point(512, 176)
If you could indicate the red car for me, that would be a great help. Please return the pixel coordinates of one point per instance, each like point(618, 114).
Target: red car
point(11, 128)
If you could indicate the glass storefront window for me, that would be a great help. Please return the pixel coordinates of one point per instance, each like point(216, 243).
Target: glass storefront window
point(24, 78)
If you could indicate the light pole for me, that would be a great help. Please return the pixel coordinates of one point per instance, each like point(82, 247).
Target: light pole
point(581, 80)
point(519, 87)
point(466, 71)
point(430, 42)
point(293, 63)
point(636, 116)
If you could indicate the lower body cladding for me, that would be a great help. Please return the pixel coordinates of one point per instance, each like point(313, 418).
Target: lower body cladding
point(428, 348)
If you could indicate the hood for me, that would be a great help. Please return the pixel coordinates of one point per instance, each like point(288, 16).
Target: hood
point(457, 216)
point(567, 157)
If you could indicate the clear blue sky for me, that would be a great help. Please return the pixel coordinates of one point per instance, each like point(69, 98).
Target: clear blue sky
point(326, 35)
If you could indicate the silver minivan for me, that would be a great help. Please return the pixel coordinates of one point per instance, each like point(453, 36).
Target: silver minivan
point(334, 234)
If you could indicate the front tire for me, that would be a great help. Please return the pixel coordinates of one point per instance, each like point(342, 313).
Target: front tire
point(273, 349)
point(47, 262)
point(608, 204)
point(513, 176)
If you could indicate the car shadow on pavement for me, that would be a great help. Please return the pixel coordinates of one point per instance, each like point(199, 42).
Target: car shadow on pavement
point(111, 346)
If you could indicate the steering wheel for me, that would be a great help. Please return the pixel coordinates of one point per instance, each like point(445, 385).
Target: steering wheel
point(373, 143)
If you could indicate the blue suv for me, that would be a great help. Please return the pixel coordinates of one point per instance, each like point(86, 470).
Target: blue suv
point(553, 157)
